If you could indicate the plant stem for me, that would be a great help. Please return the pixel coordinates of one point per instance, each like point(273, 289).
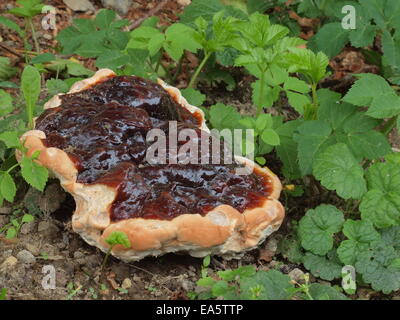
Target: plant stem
point(178, 69)
point(35, 40)
point(198, 70)
point(12, 168)
point(387, 128)
point(260, 101)
point(106, 257)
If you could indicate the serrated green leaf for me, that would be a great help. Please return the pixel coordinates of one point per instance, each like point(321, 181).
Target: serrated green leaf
point(104, 18)
point(323, 292)
point(361, 234)
point(7, 186)
point(33, 173)
point(377, 268)
point(55, 86)
point(272, 283)
point(337, 169)
point(330, 39)
point(10, 138)
point(322, 267)
point(317, 227)
point(223, 116)
point(312, 137)
point(381, 204)
point(373, 91)
point(112, 59)
point(193, 96)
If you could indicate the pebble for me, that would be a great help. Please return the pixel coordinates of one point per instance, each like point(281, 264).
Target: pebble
point(121, 6)
point(8, 264)
point(79, 5)
point(297, 275)
point(26, 256)
point(32, 248)
point(126, 284)
point(28, 227)
point(47, 228)
point(79, 255)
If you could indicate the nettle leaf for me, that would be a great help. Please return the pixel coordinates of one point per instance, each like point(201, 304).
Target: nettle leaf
point(381, 204)
point(322, 267)
point(273, 284)
point(113, 59)
point(317, 227)
point(7, 187)
point(330, 39)
point(337, 169)
point(193, 96)
point(6, 103)
point(379, 267)
point(223, 116)
point(35, 174)
point(373, 91)
point(360, 234)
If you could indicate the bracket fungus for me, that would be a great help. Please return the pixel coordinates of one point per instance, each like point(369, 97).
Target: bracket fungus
point(94, 139)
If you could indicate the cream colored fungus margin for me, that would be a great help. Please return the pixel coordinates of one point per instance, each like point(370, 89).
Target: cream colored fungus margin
point(224, 230)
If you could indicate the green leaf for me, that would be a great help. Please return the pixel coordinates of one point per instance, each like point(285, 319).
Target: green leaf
point(323, 292)
point(297, 85)
point(33, 173)
point(30, 86)
point(6, 103)
point(263, 95)
point(379, 267)
point(290, 248)
point(12, 25)
point(43, 58)
point(10, 138)
point(361, 234)
point(223, 116)
point(322, 267)
point(273, 285)
point(381, 204)
point(337, 169)
point(330, 39)
point(317, 227)
point(6, 71)
point(76, 69)
point(298, 101)
point(27, 218)
point(193, 96)
point(220, 288)
point(112, 59)
point(312, 137)
point(55, 86)
point(7, 187)
point(11, 233)
point(104, 18)
point(269, 136)
point(287, 150)
point(118, 237)
point(373, 91)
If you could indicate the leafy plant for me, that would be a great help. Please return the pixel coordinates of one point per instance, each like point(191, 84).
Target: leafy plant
point(3, 294)
point(13, 227)
point(115, 238)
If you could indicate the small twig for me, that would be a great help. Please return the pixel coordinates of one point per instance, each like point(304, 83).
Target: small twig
point(152, 12)
point(12, 51)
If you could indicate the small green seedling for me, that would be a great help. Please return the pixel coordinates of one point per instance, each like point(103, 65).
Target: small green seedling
point(72, 291)
point(3, 294)
point(12, 229)
point(116, 237)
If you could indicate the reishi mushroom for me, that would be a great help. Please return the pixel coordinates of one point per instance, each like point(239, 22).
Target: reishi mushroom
point(93, 139)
